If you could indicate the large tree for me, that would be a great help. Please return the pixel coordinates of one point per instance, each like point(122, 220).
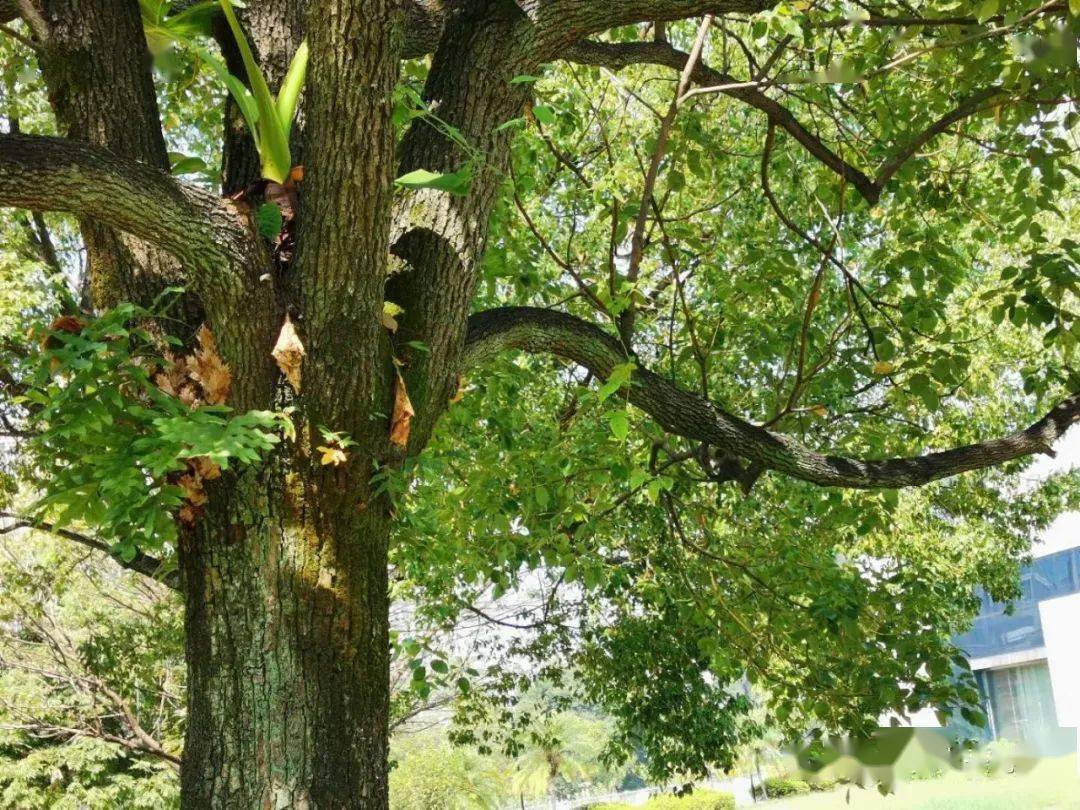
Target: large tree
point(837, 219)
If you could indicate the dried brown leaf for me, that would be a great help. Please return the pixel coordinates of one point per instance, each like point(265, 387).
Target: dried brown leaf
point(206, 468)
point(193, 489)
point(401, 421)
point(284, 196)
point(66, 323)
point(289, 353)
point(388, 321)
point(209, 370)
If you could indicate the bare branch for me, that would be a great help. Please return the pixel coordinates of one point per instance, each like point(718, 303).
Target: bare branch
point(637, 240)
point(141, 563)
point(689, 415)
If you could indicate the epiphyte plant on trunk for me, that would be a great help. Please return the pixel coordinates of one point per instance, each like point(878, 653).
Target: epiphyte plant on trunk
point(269, 119)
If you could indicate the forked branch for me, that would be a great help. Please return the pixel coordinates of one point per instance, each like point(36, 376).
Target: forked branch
point(618, 55)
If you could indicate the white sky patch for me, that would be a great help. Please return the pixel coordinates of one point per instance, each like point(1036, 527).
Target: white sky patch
point(1064, 532)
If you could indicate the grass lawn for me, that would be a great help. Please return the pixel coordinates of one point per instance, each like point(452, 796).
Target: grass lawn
point(1051, 785)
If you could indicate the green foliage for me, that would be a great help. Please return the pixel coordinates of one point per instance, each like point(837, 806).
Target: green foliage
point(779, 786)
point(431, 775)
point(410, 106)
point(269, 119)
point(962, 330)
point(950, 318)
point(110, 444)
point(697, 800)
point(268, 220)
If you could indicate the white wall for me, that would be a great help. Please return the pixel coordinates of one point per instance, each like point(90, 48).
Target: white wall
point(1061, 629)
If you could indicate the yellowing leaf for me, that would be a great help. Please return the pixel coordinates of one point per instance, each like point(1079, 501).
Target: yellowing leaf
point(884, 367)
point(332, 455)
point(289, 353)
point(819, 410)
point(387, 316)
point(401, 421)
point(459, 394)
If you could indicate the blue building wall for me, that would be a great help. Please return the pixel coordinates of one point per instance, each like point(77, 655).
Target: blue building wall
point(994, 632)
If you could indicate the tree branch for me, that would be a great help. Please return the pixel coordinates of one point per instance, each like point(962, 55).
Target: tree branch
point(142, 563)
point(689, 415)
point(563, 22)
point(966, 108)
point(55, 174)
point(637, 240)
point(616, 56)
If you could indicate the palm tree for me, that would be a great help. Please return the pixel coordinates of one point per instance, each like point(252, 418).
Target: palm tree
point(567, 746)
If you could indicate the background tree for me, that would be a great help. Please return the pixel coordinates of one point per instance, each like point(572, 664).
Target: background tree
point(785, 209)
point(91, 679)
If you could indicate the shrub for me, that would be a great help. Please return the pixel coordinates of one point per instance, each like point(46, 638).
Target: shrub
point(698, 800)
point(779, 786)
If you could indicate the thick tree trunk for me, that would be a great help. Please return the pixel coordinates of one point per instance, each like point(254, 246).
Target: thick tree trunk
point(287, 650)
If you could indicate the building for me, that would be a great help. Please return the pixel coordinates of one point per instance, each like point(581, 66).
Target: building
point(1027, 661)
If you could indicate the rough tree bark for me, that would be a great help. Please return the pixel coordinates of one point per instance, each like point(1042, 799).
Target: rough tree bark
point(285, 573)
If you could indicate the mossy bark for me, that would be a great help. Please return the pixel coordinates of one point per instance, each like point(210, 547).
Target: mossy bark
point(287, 647)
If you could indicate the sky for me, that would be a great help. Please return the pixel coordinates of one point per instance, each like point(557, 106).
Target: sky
point(1065, 531)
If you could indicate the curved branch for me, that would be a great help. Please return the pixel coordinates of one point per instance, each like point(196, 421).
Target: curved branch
point(618, 55)
point(689, 415)
point(55, 174)
point(141, 563)
point(222, 255)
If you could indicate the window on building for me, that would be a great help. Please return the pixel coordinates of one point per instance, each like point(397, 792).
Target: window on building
point(1021, 702)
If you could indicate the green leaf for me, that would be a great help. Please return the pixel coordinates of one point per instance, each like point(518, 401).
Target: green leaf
point(986, 10)
point(620, 376)
point(268, 220)
point(188, 165)
point(524, 78)
point(545, 115)
point(273, 141)
point(619, 423)
point(289, 94)
point(455, 183)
